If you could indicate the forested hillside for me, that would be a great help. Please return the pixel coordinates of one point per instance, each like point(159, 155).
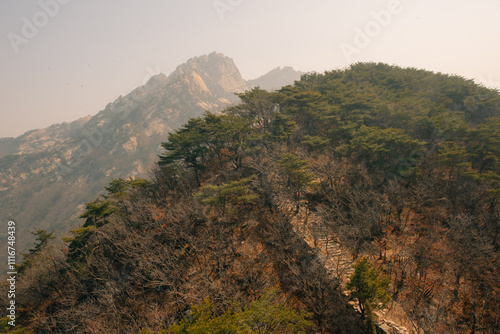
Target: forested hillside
point(397, 167)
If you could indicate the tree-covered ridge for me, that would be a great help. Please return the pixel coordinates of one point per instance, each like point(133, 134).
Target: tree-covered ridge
point(399, 167)
point(383, 113)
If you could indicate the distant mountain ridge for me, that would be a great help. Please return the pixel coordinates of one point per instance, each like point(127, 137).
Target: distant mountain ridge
point(275, 79)
point(37, 140)
point(47, 175)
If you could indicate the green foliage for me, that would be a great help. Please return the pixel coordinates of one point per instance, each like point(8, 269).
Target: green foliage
point(262, 109)
point(449, 125)
point(203, 320)
point(119, 189)
point(187, 144)
point(367, 285)
point(264, 315)
point(383, 148)
point(385, 116)
point(282, 127)
point(6, 328)
point(484, 146)
point(453, 155)
point(370, 289)
point(42, 237)
point(258, 106)
point(207, 139)
point(297, 171)
point(232, 194)
point(315, 143)
point(97, 214)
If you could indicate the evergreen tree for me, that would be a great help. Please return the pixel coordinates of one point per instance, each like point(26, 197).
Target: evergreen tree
point(42, 239)
point(298, 174)
point(370, 289)
point(206, 139)
point(264, 315)
point(232, 194)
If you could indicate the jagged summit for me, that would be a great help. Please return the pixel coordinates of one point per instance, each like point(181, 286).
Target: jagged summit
point(206, 82)
point(218, 73)
point(157, 79)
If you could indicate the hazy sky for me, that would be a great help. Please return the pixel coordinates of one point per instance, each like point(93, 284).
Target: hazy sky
point(64, 59)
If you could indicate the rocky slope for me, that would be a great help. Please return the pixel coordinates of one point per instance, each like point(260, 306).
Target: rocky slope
point(47, 175)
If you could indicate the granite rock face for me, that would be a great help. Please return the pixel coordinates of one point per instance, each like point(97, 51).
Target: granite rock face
point(47, 175)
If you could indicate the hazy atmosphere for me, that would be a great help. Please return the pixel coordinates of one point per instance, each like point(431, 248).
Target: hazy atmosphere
point(67, 59)
point(236, 167)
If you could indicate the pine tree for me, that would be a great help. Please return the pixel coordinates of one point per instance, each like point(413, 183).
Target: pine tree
point(228, 195)
point(297, 172)
point(370, 289)
point(264, 315)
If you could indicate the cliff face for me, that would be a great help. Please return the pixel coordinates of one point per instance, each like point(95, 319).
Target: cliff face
point(47, 175)
point(215, 73)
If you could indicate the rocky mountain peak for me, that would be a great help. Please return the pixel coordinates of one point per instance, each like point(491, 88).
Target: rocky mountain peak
point(218, 73)
point(157, 79)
